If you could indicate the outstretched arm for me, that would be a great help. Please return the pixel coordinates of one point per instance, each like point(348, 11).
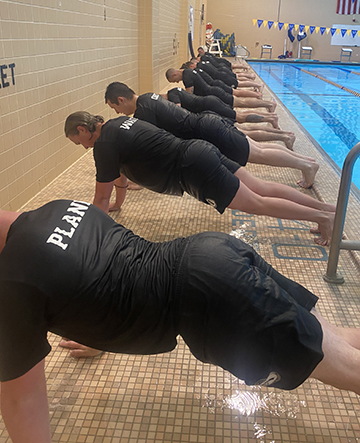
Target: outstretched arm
point(24, 407)
point(121, 185)
point(102, 195)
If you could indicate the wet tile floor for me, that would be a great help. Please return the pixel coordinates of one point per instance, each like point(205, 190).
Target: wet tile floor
point(175, 398)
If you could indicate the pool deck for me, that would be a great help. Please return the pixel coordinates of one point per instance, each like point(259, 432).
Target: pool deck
point(175, 398)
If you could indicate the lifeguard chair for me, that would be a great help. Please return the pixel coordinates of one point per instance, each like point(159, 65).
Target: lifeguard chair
point(215, 48)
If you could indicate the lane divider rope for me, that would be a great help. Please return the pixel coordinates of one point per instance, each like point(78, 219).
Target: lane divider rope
point(357, 94)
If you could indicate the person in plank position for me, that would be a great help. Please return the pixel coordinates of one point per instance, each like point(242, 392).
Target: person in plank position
point(195, 84)
point(126, 147)
point(197, 103)
point(231, 142)
point(117, 292)
point(223, 63)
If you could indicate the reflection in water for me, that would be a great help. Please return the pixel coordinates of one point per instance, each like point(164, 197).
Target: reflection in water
point(245, 233)
point(241, 233)
point(261, 431)
point(254, 400)
point(279, 404)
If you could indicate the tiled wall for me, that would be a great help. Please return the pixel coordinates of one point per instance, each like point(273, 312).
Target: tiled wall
point(56, 57)
point(162, 40)
point(166, 34)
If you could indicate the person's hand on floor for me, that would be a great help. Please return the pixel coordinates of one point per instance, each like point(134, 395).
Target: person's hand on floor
point(78, 350)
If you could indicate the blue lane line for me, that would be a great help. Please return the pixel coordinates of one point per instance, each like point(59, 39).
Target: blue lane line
point(346, 136)
point(343, 69)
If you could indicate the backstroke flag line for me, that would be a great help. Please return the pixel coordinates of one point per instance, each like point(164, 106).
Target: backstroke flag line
point(348, 7)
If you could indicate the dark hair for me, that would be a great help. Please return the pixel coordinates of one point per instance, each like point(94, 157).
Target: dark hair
point(185, 65)
point(117, 89)
point(169, 73)
point(82, 118)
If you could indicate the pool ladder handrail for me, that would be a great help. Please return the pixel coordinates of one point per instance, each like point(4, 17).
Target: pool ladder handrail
point(337, 242)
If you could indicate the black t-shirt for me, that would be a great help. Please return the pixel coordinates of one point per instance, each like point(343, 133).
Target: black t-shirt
point(166, 115)
point(214, 82)
point(191, 78)
point(188, 78)
point(70, 269)
point(146, 154)
point(216, 61)
point(195, 103)
point(210, 127)
point(226, 76)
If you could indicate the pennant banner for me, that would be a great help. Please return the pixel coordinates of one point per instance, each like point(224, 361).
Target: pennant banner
point(297, 27)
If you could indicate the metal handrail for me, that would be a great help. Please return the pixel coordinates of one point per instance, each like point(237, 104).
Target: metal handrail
point(242, 51)
point(337, 243)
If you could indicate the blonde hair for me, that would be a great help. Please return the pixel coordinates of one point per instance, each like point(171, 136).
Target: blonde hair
point(82, 118)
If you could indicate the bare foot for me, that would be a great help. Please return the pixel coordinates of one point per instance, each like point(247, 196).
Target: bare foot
point(114, 207)
point(315, 230)
point(272, 106)
point(289, 141)
point(322, 241)
point(274, 121)
point(259, 87)
point(133, 186)
point(78, 350)
point(325, 229)
point(330, 208)
point(309, 173)
point(240, 75)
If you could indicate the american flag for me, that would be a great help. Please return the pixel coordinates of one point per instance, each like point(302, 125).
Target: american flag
point(348, 7)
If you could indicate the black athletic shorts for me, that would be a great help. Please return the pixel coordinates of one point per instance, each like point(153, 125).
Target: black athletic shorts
point(208, 175)
point(213, 103)
point(219, 92)
point(237, 312)
point(227, 138)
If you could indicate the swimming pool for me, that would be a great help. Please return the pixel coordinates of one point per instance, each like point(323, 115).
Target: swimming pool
point(331, 115)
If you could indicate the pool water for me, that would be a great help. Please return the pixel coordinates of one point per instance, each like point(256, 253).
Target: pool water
point(331, 115)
